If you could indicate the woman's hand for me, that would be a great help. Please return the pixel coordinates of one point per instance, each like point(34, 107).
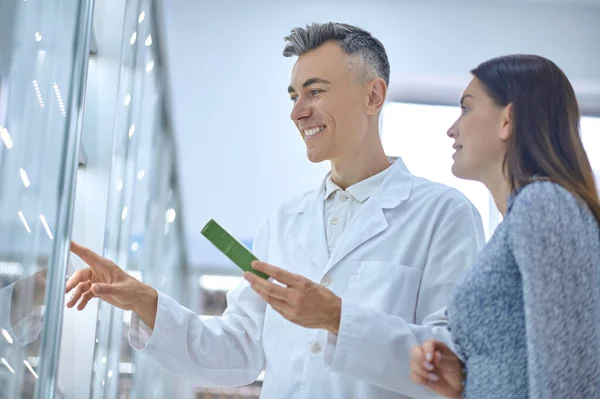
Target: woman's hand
point(433, 364)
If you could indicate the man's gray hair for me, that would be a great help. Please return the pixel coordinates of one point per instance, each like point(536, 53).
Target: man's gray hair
point(354, 41)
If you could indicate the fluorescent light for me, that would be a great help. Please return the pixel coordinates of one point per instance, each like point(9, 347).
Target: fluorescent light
point(148, 42)
point(133, 38)
point(104, 360)
point(22, 217)
point(127, 100)
point(34, 361)
point(5, 136)
point(45, 223)
point(141, 174)
point(110, 373)
point(11, 269)
point(4, 362)
point(38, 36)
point(30, 369)
point(24, 178)
point(61, 104)
point(149, 66)
point(7, 336)
point(38, 93)
point(218, 283)
point(170, 215)
point(124, 214)
point(141, 17)
point(120, 185)
point(126, 368)
point(135, 246)
point(131, 130)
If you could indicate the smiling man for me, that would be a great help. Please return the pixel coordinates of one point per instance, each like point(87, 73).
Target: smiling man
point(365, 263)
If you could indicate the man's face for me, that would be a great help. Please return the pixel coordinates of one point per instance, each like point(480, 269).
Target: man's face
point(329, 107)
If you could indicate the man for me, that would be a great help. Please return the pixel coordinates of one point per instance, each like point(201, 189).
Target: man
point(366, 261)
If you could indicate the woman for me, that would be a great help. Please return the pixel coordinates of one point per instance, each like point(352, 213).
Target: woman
point(526, 317)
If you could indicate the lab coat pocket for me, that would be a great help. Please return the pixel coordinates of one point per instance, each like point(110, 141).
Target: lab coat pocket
point(387, 287)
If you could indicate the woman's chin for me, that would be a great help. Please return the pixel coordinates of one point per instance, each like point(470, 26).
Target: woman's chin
point(459, 171)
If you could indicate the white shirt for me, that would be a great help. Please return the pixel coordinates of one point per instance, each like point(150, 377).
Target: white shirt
point(341, 205)
point(394, 268)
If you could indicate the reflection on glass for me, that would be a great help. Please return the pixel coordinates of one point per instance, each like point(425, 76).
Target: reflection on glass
point(5, 136)
point(142, 229)
point(39, 54)
point(150, 66)
point(24, 178)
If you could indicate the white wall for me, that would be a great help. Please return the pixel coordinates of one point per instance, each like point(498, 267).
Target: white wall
point(239, 154)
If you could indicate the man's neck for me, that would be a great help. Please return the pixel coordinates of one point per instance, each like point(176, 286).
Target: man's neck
point(358, 167)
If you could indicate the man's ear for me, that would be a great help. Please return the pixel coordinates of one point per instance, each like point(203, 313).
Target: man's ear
point(377, 90)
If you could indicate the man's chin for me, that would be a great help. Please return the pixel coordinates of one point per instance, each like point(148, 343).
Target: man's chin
point(315, 158)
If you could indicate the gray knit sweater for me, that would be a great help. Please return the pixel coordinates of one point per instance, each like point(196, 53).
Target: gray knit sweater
point(526, 317)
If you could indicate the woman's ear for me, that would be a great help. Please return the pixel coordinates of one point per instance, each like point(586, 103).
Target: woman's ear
point(506, 119)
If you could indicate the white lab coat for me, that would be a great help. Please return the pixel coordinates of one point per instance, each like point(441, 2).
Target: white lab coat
point(394, 268)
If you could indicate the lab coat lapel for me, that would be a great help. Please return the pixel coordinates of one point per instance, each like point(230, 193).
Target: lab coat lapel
point(370, 220)
point(367, 223)
point(309, 228)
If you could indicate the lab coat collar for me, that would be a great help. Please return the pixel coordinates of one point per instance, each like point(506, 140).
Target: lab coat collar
point(394, 190)
point(362, 190)
point(309, 226)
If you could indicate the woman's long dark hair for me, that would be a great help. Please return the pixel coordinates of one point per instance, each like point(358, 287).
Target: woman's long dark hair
point(545, 141)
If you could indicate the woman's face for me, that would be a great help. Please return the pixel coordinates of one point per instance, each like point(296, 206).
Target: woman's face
point(480, 135)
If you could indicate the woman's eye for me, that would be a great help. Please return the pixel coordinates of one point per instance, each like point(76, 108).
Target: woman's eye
point(463, 109)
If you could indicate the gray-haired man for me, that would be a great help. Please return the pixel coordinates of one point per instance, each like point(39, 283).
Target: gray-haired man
point(366, 261)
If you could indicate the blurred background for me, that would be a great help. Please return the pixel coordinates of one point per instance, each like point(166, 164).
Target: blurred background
point(127, 125)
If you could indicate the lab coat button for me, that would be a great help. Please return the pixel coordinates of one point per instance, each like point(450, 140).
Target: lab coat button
point(343, 197)
point(334, 221)
point(316, 348)
point(326, 281)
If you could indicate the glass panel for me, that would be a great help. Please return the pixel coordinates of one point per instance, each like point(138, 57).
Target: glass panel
point(42, 60)
point(143, 218)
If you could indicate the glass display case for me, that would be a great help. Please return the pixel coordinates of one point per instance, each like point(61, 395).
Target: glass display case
point(143, 223)
point(44, 57)
point(44, 47)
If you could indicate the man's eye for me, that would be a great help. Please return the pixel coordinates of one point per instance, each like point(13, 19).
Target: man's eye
point(294, 99)
point(315, 92)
